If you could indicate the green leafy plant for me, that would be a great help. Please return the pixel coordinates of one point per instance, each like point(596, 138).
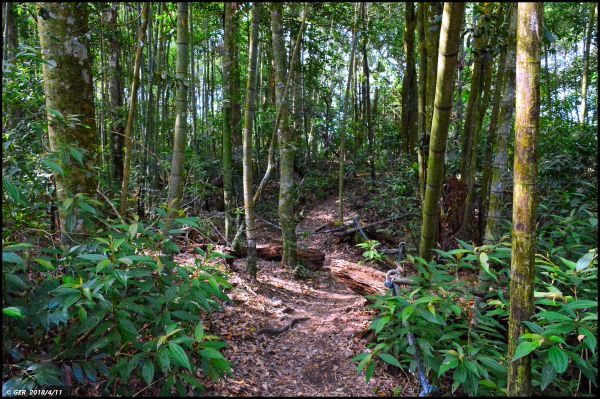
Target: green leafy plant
point(371, 253)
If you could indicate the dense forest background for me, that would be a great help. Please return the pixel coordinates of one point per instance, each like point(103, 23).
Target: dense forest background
point(168, 166)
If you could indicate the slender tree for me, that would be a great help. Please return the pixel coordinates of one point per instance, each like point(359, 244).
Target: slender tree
point(345, 109)
point(452, 21)
point(228, 61)
point(527, 124)
point(132, 107)
point(286, 152)
point(181, 114)
point(507, 106)
point(367, 89)
point(592, 17)
point(247, 147)
point(67, 72)
point(423, 142)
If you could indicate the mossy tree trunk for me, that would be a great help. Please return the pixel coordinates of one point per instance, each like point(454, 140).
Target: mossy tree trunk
point(432, 10)
point(131, 115)
point(423, 136)
point(286, 151)
point(507, 106)
point(247, 147)
point(527, 124)
point(67, 73)
point(492, 130)
point(179, 139)
point(345, 111)
point(408, 123)
point(452, 21)
point(475, 91)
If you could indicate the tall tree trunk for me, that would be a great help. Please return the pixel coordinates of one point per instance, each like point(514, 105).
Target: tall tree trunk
point(409, 114)
point(423, 136)
point(479, 111)
point(228, 71)
point(491, 139)
point(176, 177)
point(11, 38)
point(592, 18)
point(247, 147)
point(115, 88)
point(345, 106)
point(433, 10)
point(367, 90)
point(475, 92)
point(527, 124)
point(193, 82)
point(286, 152)
point(67, 72)
point(448, 49)
point(132, 106)
point(507, 106)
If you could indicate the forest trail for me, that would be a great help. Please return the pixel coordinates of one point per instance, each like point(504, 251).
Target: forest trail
point(314, 357)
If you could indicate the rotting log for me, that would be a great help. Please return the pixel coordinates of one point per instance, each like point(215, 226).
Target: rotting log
point(311, 258)
point(359, 278)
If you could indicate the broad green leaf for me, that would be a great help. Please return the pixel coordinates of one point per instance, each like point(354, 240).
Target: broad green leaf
point(553, 316)
point(525, 348)
point(11, 257)
point(48, 266)
point(12, 190)
point(53, 166)
point(590, 339)
point(386, 357)
point(548, 375)
point(199, 332)
point(483, 260)
point(13, 312)
point(93, 257)
point(148, 372)
point(179, 356)
point(448, 364)
point(584, 261)
point(558, 359)
point(379, 324)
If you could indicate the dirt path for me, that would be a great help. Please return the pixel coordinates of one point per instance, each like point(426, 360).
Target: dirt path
point(314, 357)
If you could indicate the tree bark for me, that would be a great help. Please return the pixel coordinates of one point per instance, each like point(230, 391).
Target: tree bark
point(423, 136)
point(286, 152)
point(228, 71)
point(507, 106)
point(345, 106)
point(408, 123)
point(247, 146)
point(448, 50)
point(592, 18)
point(132, 106)
point(67, 73)
point(527, 124)
point(179, 139)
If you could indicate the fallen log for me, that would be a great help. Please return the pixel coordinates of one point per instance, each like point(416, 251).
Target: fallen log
point(363, 279)
point(311, 258)
point(359, 278)
point(366, 226)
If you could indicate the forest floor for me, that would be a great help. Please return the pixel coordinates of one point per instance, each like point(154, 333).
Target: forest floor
point(313, 358)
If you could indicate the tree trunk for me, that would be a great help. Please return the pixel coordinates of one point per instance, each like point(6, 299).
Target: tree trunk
point(179, 139)
point(491, 139)
point(475, 92)
point(592, 18)
point(449, 39)
point(480, 107)
point(247, 147)
point(286, 152)
point(67, 72)
point(527, 124)
point(228, 72)
point(507, 106)
point(367, 91)
point(423, 143)
point(433, 10)
point(345, 106)
point(132, 106)
point(409, 114)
